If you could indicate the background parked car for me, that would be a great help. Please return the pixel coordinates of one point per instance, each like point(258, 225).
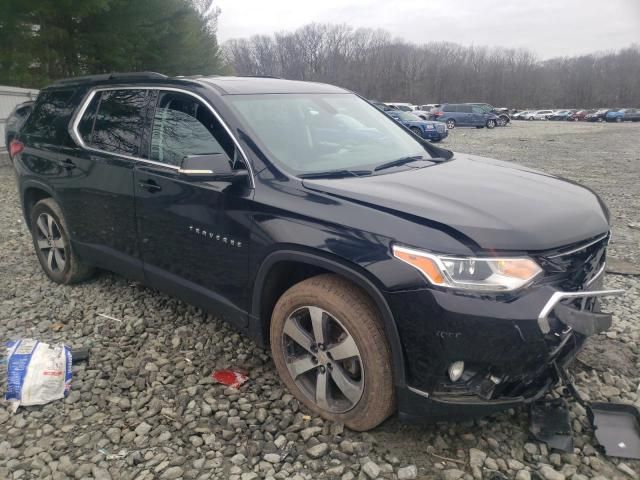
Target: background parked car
point(520, 115)
point(382, 106)
point(560, 114)
point(15, 121)
point(579, 116)
point(464, 115)
point(423, 114)
point(622, 115)
point(429, 130)
point(598, 115)
point(503, 113)
point(538, 114)
point(405, 107)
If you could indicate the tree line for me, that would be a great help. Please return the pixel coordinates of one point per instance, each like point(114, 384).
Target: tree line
point(44, 40)
point(373, 64)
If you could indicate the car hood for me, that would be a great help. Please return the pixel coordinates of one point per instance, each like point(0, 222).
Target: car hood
point(490, 204)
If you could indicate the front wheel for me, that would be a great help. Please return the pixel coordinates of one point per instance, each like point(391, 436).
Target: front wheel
point(502, 122)
point(53, 246)
point(618, 119)
point(451, 124)
point(417, 131)
point(331, 352)
point(491, 124)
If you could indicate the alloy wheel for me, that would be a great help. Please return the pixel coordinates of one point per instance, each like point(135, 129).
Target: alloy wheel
point(323, 359)
point(50, 242)
point(451, 124)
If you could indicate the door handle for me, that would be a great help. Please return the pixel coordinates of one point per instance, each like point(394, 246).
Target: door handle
point(150, 186)
point(68, 164)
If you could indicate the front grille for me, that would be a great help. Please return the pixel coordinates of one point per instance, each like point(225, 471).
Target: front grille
point(440, 128)
point(573, 267)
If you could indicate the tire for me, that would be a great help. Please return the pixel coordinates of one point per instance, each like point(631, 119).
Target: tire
point(53, 247)
point(530, 118)
point(479, 126)
point(436, 140)
point(502, 122)
point(451, 124)
point(417, 131)
point(346, 310)
point(599, 120)
point(618, 120)
point(491, 124)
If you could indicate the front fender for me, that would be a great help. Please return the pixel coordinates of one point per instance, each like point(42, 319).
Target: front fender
point(352, 272)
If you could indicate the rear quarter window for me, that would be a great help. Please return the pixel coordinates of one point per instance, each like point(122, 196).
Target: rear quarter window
point(50, 117)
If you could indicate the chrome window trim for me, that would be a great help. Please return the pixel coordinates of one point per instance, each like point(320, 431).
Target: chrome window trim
point(75, 122)
point(581, 247)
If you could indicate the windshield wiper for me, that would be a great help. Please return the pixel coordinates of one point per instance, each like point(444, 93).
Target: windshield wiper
point(336, 174)
point(403, 160)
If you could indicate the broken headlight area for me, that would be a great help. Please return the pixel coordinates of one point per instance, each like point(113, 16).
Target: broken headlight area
point(574, 267)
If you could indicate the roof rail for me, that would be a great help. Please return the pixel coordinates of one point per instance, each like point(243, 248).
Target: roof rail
point(111, 76)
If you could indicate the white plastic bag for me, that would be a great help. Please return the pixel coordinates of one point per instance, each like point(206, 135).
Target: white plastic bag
point(37, 373)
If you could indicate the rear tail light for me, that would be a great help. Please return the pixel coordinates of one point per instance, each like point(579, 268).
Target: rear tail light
point(15, 147)
point(438, 114)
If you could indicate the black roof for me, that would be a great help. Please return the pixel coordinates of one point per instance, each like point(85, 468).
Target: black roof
point(224, 85)
point(258, 85)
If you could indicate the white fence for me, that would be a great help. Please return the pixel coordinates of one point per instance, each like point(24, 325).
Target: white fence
point(9, 98)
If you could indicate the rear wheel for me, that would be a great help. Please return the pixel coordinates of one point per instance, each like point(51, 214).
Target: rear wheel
point(52, 244)
point(618, 119)
point(491, 123)
point(330, 350)
point(451, 124)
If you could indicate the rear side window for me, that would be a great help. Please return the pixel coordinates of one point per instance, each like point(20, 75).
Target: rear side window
point(114, 120)
point(449, 108)
point(464, 108)
point(183, 126)
point(50, 116)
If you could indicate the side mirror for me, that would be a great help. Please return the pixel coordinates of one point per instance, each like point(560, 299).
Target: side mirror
point(214, 166)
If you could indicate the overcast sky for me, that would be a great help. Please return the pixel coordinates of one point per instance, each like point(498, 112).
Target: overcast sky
point(548, 27)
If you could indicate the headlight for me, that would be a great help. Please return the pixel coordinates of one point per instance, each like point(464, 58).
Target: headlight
point(471, 273)
point(430, 126)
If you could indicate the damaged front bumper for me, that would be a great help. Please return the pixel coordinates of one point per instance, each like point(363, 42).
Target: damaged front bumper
point(510, 349)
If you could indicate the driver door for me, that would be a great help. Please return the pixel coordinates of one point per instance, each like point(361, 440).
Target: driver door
point(193, 232)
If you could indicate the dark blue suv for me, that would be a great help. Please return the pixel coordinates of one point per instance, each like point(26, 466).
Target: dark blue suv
point(465, 115)
point(385, 274)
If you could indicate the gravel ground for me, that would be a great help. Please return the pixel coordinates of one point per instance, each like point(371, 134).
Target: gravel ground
point(144, 405)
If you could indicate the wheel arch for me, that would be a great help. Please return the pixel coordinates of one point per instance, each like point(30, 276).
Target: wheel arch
point(32, 193)
point(265, 295)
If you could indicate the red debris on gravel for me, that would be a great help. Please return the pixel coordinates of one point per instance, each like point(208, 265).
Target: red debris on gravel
point(232, 378)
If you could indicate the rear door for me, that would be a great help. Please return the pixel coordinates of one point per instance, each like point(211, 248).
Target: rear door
point(100, 204)
point(194, 233)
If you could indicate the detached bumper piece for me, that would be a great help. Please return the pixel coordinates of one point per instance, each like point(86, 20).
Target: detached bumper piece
point(616, 426)
point(550, 423)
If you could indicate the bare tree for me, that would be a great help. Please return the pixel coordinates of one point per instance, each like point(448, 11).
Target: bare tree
point(378, 66)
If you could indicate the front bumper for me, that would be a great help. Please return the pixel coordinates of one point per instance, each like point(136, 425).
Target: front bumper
point(435, 134)
point(509, 346)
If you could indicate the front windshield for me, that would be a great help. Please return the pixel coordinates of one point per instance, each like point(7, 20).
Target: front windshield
point(323, 132)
